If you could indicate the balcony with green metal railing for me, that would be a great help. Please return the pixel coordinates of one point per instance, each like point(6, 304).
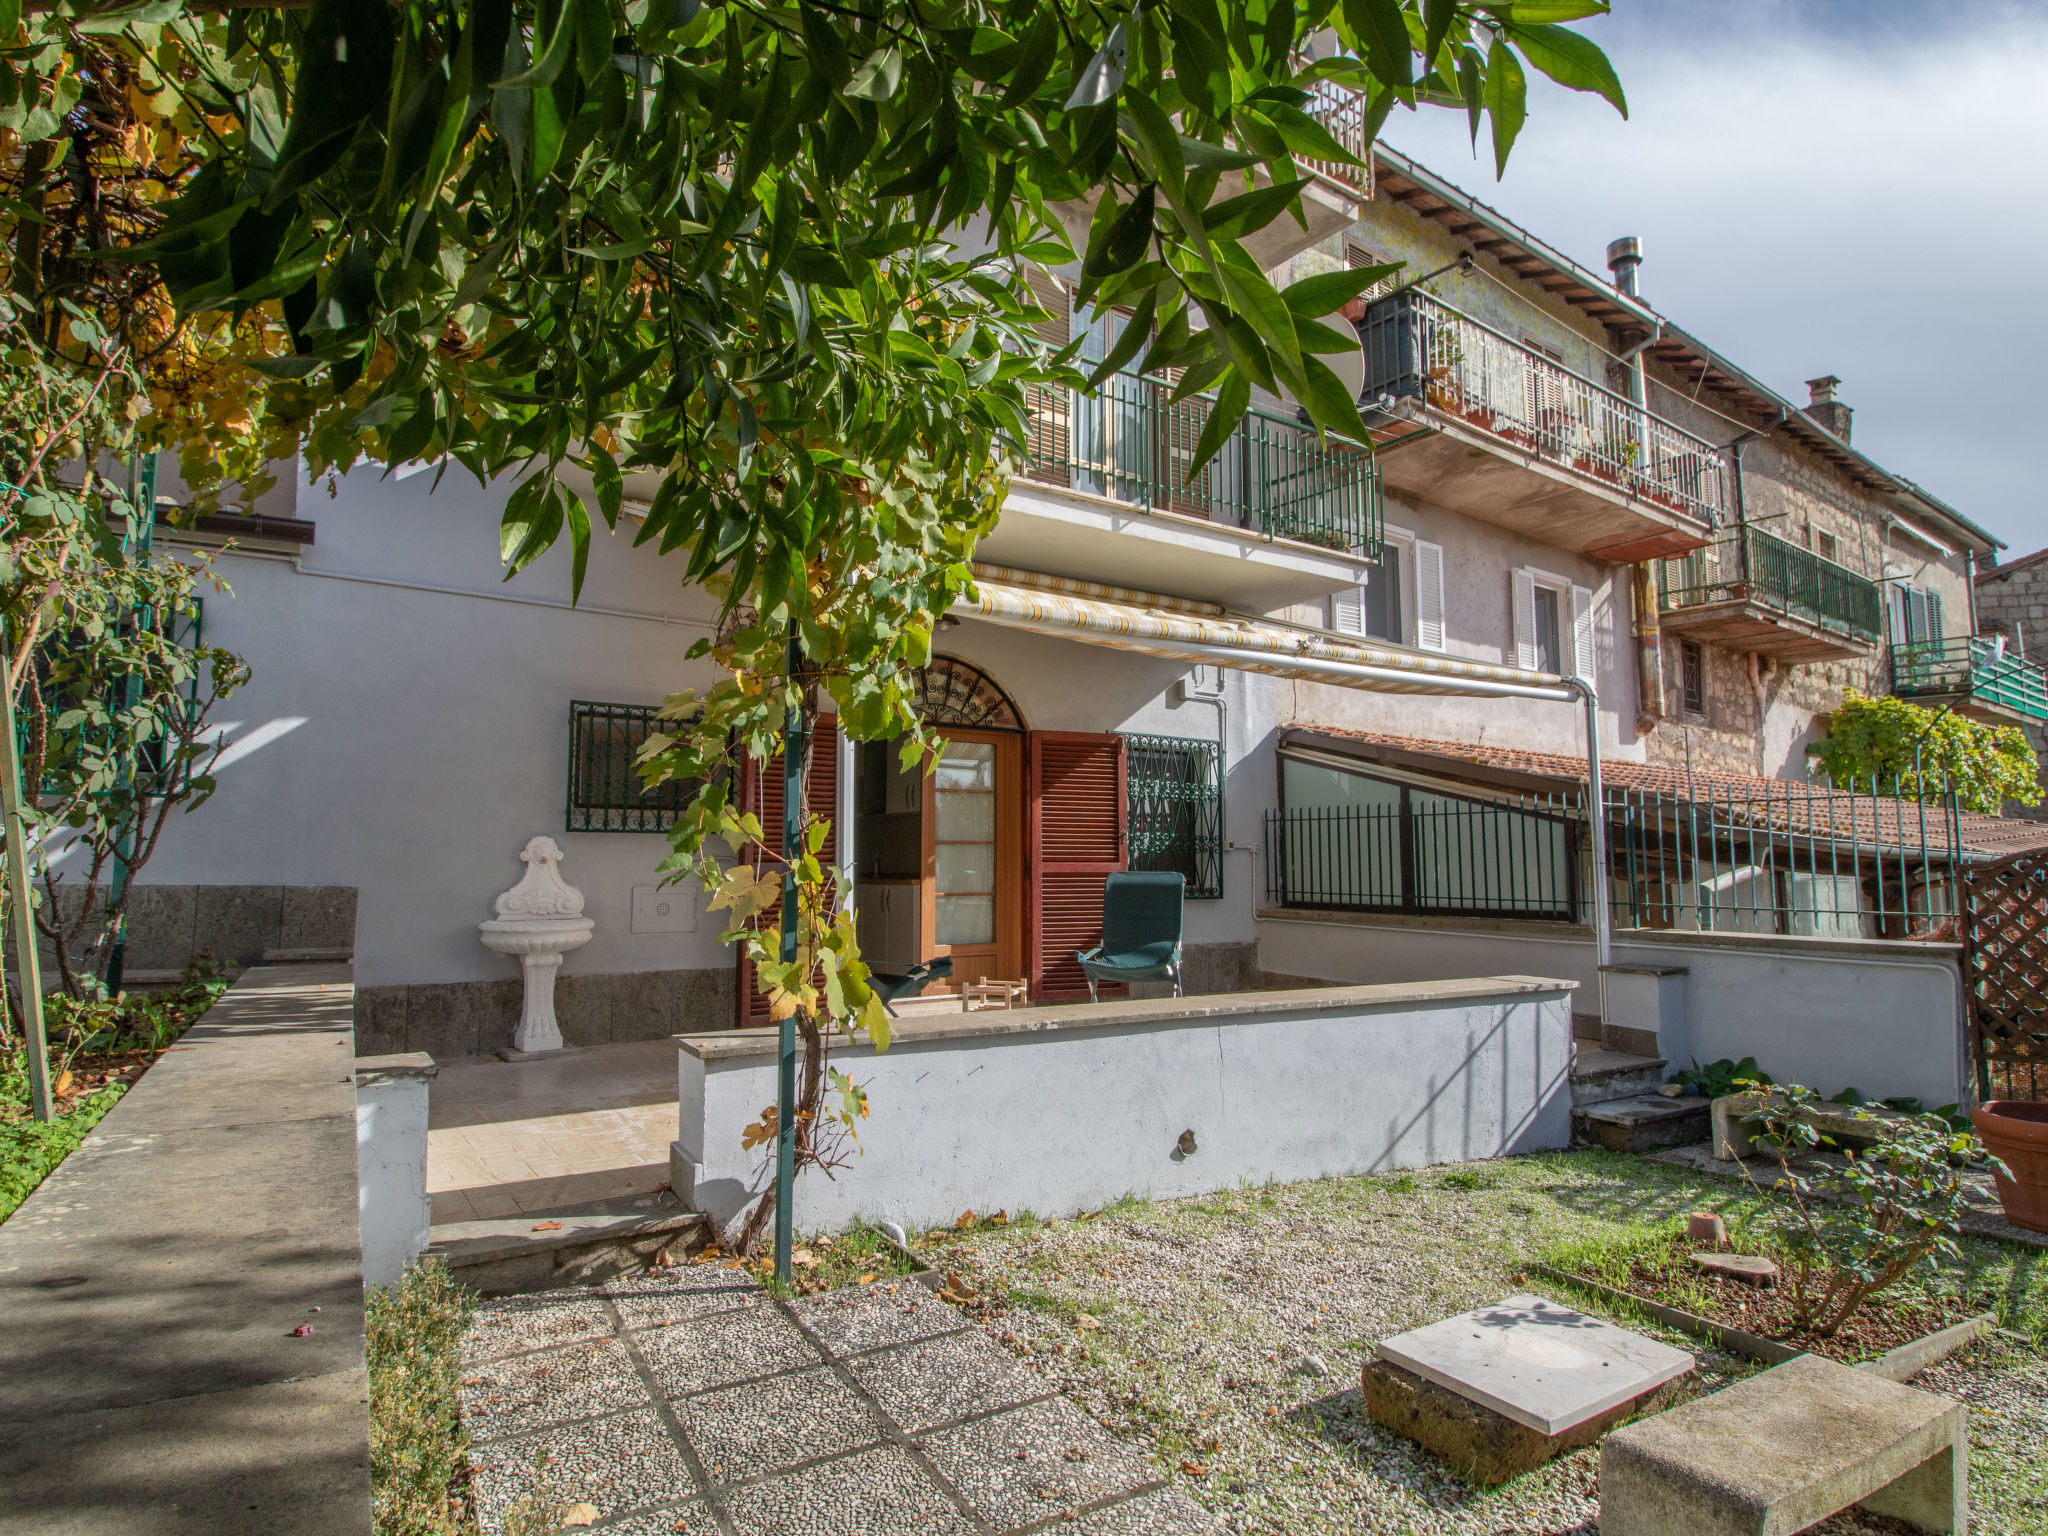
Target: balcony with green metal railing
point(1979, 676)
point(1132, 442)
point(1753, 591)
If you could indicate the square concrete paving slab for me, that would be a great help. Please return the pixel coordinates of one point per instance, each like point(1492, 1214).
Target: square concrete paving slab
point(1162, 1512)
point(1035, 1462)
point(882, 1492)
point(572, 1381)
point(677, 1295)
point(935, 1381)
point(691, 1519)
point(871, 1316)
point(624, 1461)
point(723, 1348)
point(764, 1426)
point(516, 1324)
point(1536, 1362)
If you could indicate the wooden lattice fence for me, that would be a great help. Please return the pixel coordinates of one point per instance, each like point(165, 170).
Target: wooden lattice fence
point(2005, 974)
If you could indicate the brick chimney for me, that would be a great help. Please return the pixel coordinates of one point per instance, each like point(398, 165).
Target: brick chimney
point(1824, 408)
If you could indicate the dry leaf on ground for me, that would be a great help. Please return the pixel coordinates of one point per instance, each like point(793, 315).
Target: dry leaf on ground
point(580, 1514)
point(547, 1226)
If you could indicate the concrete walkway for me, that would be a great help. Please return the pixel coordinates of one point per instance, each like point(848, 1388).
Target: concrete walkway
point(692, 1402)
point(150, 1382)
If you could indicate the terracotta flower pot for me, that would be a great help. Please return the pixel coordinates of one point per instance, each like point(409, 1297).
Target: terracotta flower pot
point(2016, 1132)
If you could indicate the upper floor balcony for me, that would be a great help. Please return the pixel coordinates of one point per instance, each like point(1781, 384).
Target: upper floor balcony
point(1976, 675)
point(1498, 430)
point(1753, 591)
point(1278, 517)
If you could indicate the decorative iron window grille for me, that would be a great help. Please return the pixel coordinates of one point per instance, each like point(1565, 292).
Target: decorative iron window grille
point(958, 693)
point(1174, 790)
point(605, 792)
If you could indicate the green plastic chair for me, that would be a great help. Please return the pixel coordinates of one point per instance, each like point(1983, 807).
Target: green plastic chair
point(1141, 912)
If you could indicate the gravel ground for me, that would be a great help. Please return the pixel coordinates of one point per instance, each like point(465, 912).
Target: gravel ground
point(1223, 1334)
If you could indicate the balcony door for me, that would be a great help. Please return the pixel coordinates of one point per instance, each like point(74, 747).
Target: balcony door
point(973, 886)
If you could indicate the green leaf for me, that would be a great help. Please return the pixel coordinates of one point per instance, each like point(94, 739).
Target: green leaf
point(1524, 12)
point(1382, 30)
point(1124, 243)
point(625, 251)
point(823, 43)
point(611, 486)
point(878, 76)
point(1224, 415)
point(1104, 76)
point(1329, 401)
point(1038, 51)
point(1135, 331)
point(579, 544)
point(1236, 217)
point(1507, 100)
point(347, 47)
point(1569, 59)
point(1327, 292)
point(1263, 310)
point(550, 63)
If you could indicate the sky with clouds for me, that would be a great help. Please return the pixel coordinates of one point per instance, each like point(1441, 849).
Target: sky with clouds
point(1856, 187)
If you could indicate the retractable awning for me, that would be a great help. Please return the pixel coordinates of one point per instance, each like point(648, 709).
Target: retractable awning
point(1127, 620)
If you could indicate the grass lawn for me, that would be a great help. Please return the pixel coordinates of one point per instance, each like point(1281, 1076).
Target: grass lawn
point(97, 1051)
point(1225, 1332)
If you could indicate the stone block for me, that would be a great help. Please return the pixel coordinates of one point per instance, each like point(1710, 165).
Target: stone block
point(707, 999)
point(160, 927)
point(238, 922)
point(1643, 1123)
point(1478, 1443)
point(441, 1019)
point(1732, 1139)
point(318, 917)
point(1784, 1450)
point(1536, 1362)
point(583, 1007)
point(381, 1020)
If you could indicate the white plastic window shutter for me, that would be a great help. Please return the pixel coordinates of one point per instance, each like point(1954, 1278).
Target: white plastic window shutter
point(1525, 620)
point(1347, 611)
point(1429, 596)
point(1584, 657)
point(1934, 631)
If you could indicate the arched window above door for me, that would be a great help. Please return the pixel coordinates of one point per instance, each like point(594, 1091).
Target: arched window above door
point(952, 692)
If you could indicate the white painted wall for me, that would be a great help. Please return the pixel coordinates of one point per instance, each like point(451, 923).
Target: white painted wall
point(391, 1162)
point(1082, 1105)
point(1883, 1017)
point(408, 742)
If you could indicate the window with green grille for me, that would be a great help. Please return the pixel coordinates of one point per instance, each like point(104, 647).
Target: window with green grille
point(605, 793)
point(1174, 786)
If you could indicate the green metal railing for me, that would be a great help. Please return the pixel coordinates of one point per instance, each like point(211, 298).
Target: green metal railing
point(1972, 665)
point(1748, 563)
point(1862, 861)
point(605, 792)
point(1131, 441)
point(1174, 821)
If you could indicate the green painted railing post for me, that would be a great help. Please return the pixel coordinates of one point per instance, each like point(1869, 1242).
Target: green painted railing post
point(792, 851)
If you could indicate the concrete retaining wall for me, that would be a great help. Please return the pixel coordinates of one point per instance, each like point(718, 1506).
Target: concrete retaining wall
point(151, 1380)
point(1882, 1017)
point(391, 1162)
point(1062, 1109)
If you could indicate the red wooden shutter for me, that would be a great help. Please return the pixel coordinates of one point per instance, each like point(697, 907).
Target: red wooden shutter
point(761, 793)
point(1077, 841)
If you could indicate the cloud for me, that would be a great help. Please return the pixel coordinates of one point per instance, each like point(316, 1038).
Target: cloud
point(1824, 187)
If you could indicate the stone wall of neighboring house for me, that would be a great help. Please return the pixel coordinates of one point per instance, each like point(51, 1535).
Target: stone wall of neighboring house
point(2012, 600)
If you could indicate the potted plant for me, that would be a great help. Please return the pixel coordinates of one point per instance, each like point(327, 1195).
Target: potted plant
point(2016, 1132)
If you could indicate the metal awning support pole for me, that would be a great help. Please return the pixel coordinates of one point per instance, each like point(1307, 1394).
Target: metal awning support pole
point(842, 817)
point(1596, 822)
point(27, 968)
point(792, 851)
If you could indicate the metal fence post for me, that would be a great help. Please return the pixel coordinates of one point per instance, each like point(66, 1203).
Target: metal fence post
point(26, 965)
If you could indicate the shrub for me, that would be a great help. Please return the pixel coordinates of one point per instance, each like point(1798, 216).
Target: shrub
point(417, 1444)
point(1850, 1232)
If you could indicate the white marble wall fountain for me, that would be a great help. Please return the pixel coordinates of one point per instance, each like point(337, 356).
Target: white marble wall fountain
point(539, 920)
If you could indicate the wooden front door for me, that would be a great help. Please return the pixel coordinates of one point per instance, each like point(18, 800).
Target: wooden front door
point(974, 856)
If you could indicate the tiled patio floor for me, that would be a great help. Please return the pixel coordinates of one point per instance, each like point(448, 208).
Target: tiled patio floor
point(692, 1402)
point(506, 1137)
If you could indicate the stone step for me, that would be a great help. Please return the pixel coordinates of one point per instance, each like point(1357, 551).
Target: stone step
point(572, 1245)
point(1644, 1123)
point(1600, 1075)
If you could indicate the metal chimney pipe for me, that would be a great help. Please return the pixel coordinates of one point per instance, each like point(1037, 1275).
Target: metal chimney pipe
point(1624, 256)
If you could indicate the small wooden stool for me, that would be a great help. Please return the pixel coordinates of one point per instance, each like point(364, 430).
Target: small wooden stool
point(991, 993)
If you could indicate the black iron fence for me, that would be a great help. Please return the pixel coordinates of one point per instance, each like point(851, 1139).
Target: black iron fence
point(1856, 861)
